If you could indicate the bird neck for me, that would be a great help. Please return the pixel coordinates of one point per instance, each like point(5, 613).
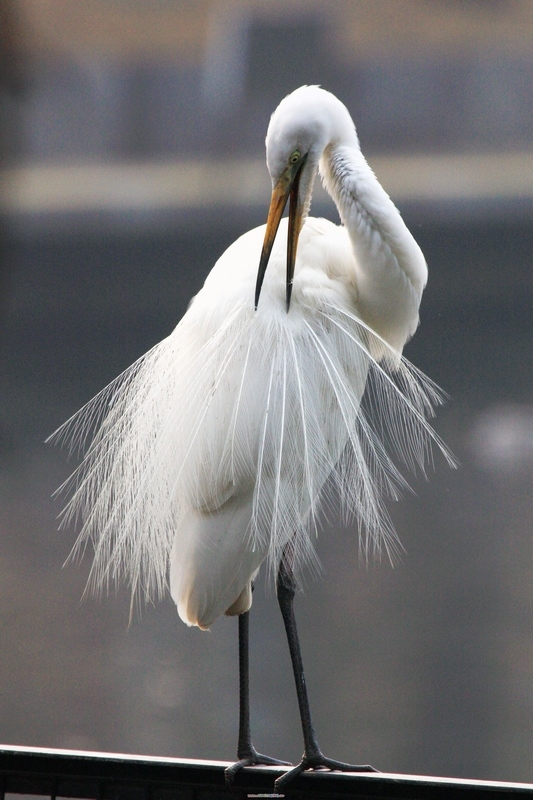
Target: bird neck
point(390, 268)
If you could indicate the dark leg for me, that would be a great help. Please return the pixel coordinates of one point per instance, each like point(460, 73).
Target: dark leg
point(246, 752)
point(312, 757)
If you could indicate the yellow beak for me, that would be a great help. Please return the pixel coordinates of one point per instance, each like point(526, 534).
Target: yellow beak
point(288, 184)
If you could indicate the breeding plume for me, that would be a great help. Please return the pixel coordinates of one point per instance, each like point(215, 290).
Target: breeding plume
point(218, 449)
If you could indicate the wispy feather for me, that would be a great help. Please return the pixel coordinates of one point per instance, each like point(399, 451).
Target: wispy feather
point(269, 406)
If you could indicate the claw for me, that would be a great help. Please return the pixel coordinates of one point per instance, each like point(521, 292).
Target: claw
point(251, 759)
point(318, 762)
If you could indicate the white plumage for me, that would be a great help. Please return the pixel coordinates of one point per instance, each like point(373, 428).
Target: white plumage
point(226, 440)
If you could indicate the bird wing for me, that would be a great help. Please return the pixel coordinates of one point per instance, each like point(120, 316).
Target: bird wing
point(212, 561)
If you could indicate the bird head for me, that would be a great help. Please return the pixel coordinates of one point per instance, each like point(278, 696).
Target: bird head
point(300, 130)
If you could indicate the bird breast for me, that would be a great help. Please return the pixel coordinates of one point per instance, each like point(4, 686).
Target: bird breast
point(265, 398)
point(324, 271)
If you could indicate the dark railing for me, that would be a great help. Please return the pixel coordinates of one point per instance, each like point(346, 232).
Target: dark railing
point(96, 776)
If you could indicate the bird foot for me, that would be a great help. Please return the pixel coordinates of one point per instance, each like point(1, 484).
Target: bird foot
point(251, 758)
point(318, 762)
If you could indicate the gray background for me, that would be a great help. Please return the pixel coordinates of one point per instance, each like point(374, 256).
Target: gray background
point(424, 668)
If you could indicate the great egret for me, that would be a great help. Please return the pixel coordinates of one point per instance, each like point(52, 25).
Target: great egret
point(216, 450)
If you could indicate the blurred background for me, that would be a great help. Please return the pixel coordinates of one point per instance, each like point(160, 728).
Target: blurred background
point(131, 155)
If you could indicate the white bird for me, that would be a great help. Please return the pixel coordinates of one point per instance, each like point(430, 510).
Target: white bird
point(218, 449)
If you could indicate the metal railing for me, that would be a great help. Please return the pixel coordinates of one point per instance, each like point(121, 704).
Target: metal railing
point(96, 776)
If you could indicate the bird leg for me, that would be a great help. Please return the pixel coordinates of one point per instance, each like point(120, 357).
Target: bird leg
point(246, 752)
point(313, 757)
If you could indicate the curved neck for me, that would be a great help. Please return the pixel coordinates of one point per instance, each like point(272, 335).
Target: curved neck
point(390, 268)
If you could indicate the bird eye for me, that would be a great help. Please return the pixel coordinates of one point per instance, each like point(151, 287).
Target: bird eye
point(295, 157)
